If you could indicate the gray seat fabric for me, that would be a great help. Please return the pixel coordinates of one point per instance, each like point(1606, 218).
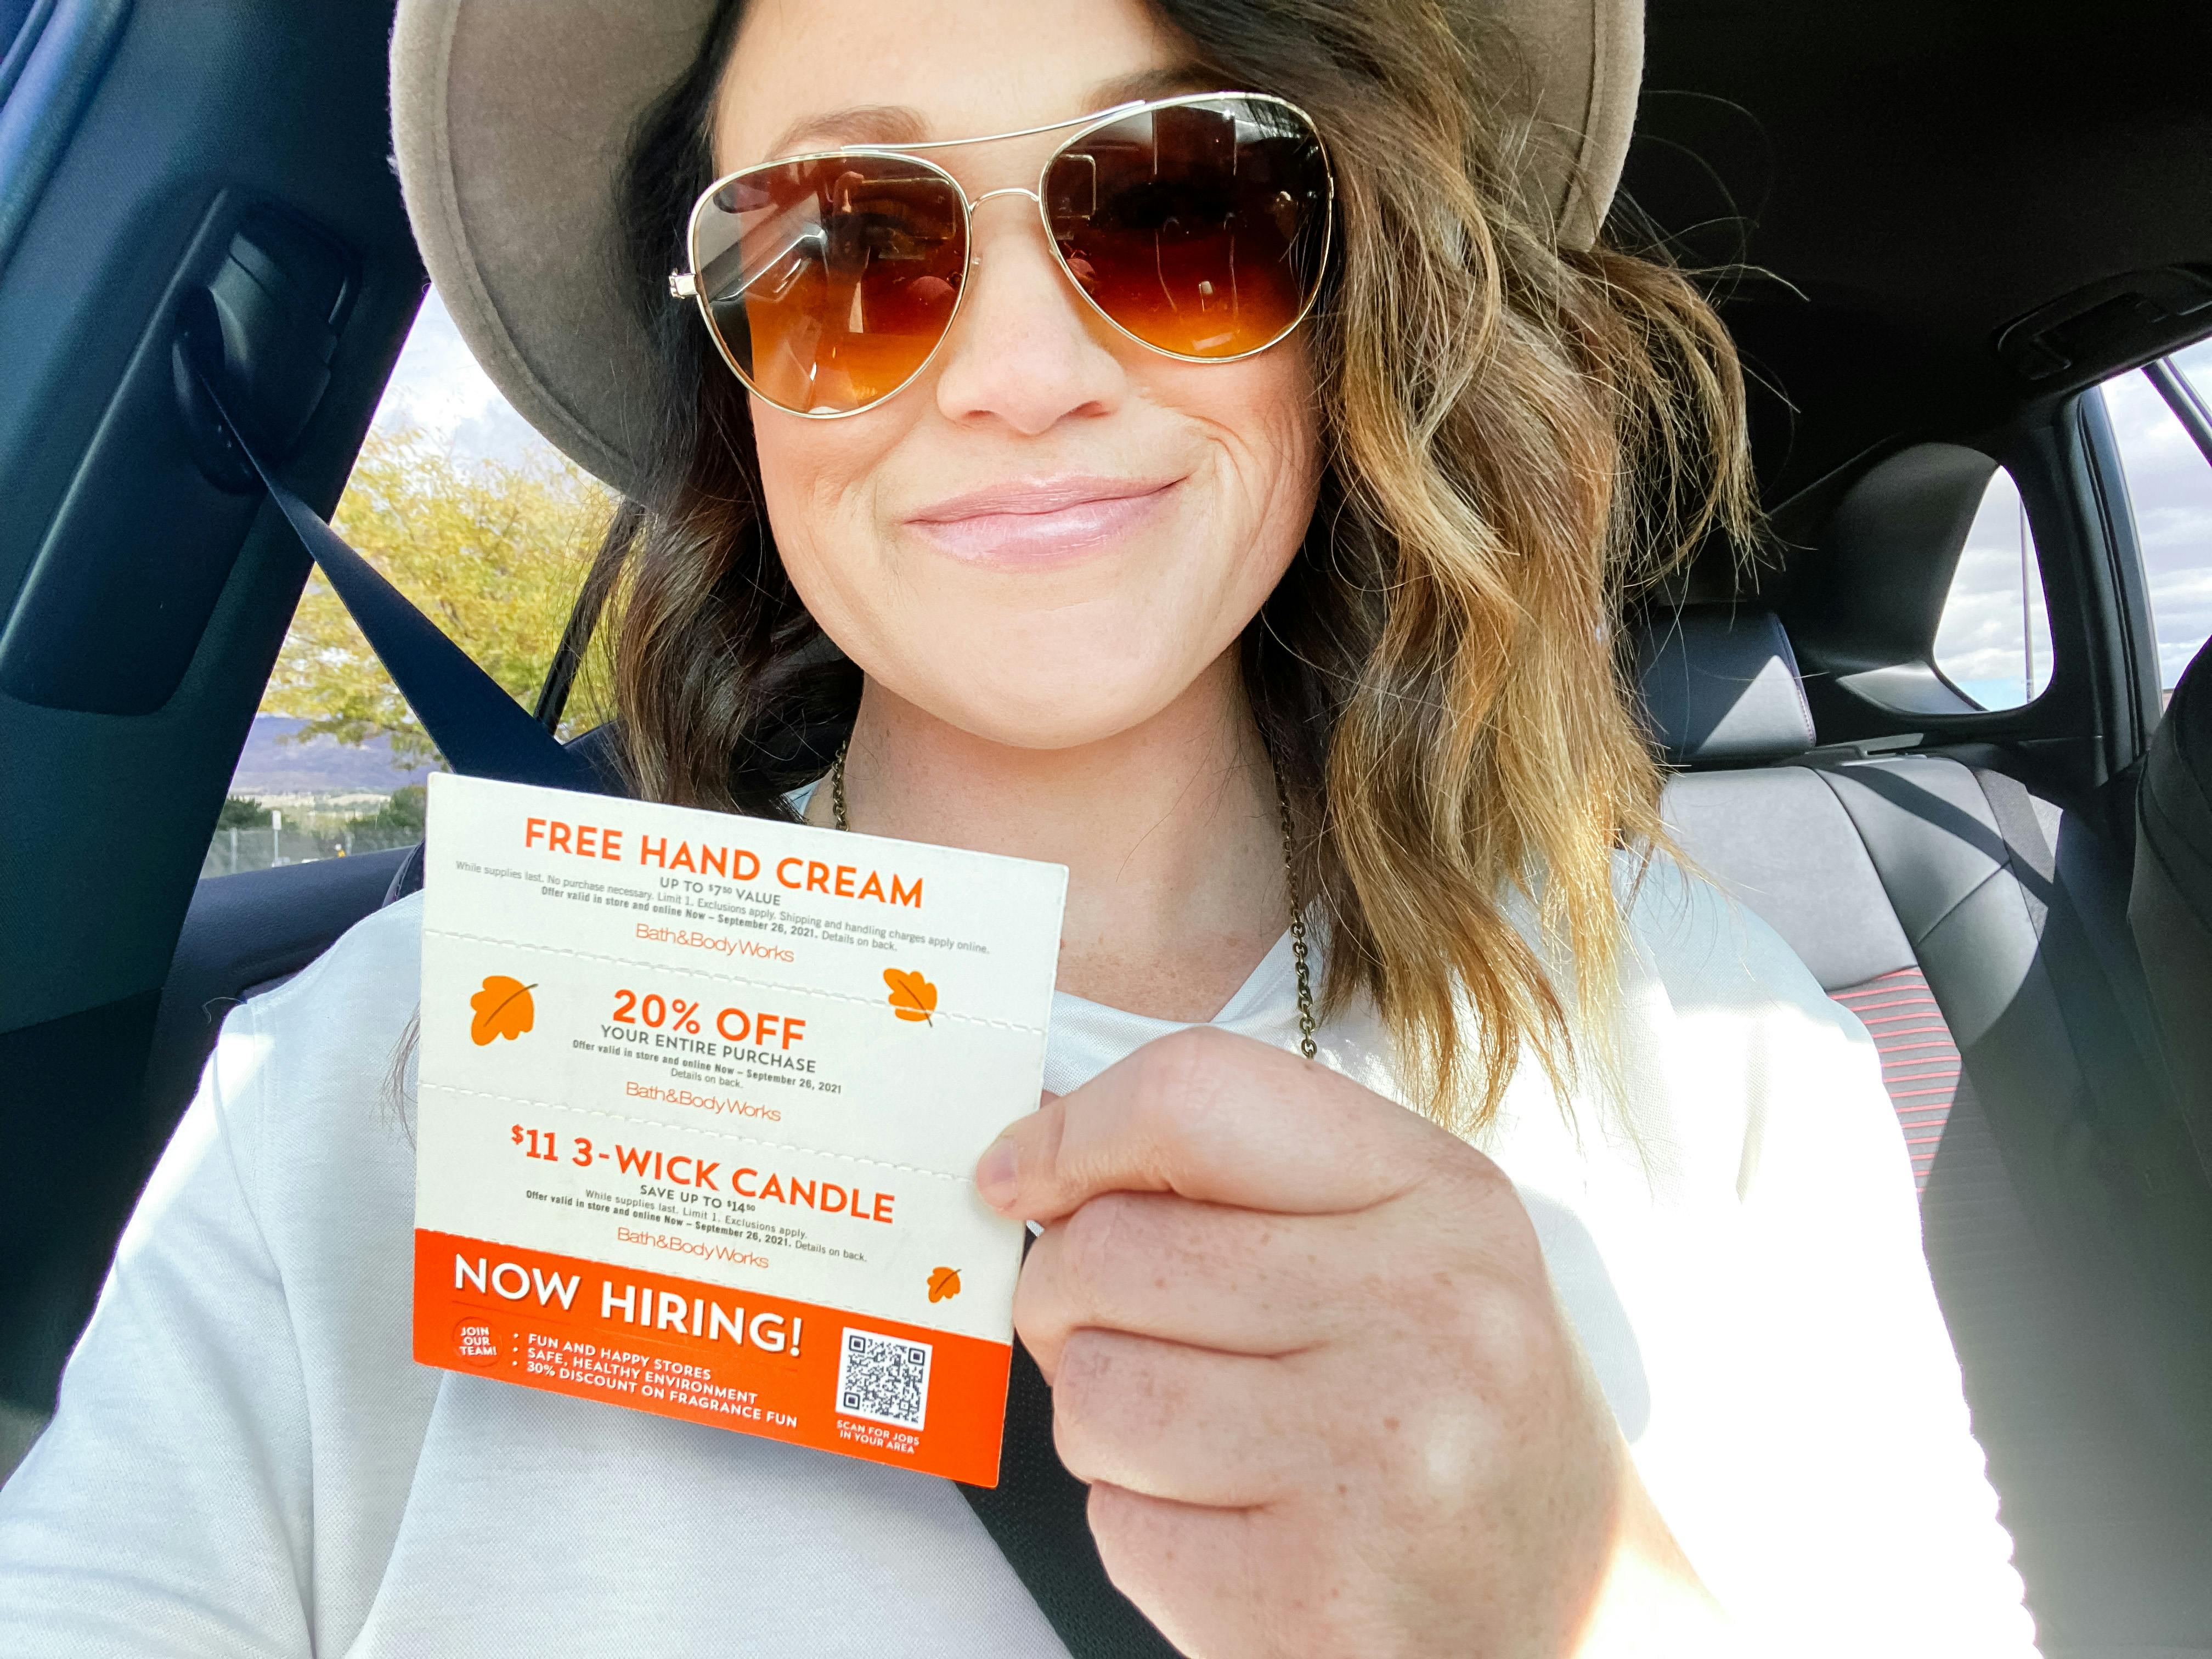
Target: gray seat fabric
point(1721, 688)
point(1976, 930)
point(1844, 923)
point(2170, 906)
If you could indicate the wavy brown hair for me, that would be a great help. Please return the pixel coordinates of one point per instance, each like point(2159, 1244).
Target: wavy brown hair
point(1515, 436)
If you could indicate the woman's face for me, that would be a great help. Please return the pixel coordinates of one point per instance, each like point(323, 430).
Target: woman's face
point(1050, 534)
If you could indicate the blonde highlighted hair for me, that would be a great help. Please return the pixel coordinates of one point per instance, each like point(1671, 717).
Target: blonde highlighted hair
point(1517, 438)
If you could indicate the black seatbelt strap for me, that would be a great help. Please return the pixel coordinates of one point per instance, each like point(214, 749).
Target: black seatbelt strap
point(2110, 1043)
point(481, 731)
point(2013, 810)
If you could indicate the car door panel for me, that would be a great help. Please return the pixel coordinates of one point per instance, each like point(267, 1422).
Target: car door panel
point(143, 605)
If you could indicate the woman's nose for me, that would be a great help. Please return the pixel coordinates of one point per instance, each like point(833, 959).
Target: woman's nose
point(1025, 349)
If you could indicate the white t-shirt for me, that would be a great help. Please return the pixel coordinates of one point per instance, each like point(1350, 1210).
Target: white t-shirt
point(246, 1461)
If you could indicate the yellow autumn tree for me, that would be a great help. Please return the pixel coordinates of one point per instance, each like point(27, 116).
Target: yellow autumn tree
point(495, 554)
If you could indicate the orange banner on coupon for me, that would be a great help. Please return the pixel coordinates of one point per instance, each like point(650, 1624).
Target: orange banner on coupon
point(902, 1395)
point(761, 1054)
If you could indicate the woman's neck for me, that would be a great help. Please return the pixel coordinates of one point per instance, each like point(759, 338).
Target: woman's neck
point(1169, 831)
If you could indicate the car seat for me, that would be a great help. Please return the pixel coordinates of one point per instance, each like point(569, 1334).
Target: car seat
point(1979, 930)
point(2170, 906)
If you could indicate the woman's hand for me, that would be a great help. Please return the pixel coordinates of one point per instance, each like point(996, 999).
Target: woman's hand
point(1304, 1348)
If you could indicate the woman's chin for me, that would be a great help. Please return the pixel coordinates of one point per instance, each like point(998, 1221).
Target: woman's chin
point(1072, 703)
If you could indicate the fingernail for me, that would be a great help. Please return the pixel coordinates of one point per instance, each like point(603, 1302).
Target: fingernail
point(998, 1171)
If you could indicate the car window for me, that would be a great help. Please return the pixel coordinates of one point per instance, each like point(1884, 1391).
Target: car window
point(2170, 486)
point(484, 525)
point(1993, 642)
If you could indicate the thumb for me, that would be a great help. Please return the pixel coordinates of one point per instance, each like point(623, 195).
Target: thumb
point(998, 1172)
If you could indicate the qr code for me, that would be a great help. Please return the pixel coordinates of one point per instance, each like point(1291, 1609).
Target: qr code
point(884, 1378)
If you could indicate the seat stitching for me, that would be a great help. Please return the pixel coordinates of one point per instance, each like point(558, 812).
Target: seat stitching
point(2027, 881)
point(2002, 869)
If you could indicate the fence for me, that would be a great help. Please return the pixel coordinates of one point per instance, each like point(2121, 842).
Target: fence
point(260, 845)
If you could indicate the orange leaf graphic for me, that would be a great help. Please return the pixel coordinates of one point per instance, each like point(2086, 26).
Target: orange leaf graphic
point(944, 1284)
point(504, 1009)
point(912, 996)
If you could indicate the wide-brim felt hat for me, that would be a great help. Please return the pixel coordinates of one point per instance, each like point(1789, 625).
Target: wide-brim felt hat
point(511, 120)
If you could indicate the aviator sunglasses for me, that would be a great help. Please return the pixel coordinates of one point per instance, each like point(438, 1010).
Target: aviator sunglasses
point(1197, 226)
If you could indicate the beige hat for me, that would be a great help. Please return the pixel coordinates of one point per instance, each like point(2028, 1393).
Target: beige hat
point(511, 118)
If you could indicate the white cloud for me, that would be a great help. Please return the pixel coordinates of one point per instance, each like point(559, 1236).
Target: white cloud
point(437, 388)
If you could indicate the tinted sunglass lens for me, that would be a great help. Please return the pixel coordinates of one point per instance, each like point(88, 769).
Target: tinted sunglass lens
point(830, 282)
point(1200, 227)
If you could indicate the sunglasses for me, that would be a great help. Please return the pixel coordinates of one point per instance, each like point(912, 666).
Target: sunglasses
point(1197, 226)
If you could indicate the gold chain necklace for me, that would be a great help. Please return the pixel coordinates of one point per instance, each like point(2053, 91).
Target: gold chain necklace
point(1299, 953)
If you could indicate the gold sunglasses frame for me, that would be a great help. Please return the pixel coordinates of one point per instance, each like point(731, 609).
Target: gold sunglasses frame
point(683, 284)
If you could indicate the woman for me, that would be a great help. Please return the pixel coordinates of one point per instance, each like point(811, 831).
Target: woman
point(1249, 537)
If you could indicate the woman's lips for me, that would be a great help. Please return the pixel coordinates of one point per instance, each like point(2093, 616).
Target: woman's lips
point(1046, 521)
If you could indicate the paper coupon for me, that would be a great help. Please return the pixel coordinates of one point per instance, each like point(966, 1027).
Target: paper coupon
point(700, 1101)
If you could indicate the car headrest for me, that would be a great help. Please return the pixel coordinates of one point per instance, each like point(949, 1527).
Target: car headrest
point(1721, 688)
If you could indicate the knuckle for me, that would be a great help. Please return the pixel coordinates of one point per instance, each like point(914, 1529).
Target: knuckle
point(1505, 1343)
point(1086, 1365)
point(1185, 1075)
point(1189, 1062)
point(1511, 1244)
point(1443, 1456)
point(1483, 1212)
point(1055, 1143)
point(1121, 1526)
point(1508, 1325)
point(1515, 1342)
point(1146, 1548)
point(1475, 1182)
point(1080, 1389)
point(1483, 1174)
point(1039, 1294)
point(1094, 1241)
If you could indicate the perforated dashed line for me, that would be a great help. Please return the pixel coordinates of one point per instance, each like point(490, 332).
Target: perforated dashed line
point(693, 1128)
point(740, 979)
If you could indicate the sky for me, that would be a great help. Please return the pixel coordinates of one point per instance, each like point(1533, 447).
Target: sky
point(439, 388)
point(1978, 642)
point(2170, 484)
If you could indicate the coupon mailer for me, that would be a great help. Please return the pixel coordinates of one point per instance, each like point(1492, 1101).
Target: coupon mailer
point(700, 1101)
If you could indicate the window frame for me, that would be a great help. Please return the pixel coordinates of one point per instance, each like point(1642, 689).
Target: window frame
point(2126, 637)
point(2196, 425)
point(1863, 595)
